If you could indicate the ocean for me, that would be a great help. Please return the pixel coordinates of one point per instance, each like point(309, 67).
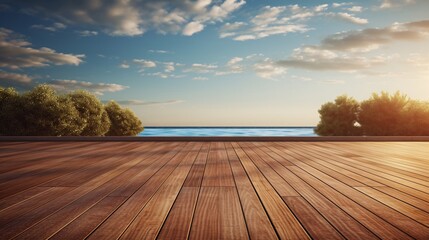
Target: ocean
point(228, 131)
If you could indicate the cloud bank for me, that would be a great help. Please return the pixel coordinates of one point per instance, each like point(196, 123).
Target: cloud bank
point(17, 53)
point(96, 88)
point(133, 17)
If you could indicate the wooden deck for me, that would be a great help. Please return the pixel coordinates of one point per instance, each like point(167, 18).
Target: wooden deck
point(214, 190)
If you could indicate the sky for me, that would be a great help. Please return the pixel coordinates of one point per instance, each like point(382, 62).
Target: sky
point(218, 63)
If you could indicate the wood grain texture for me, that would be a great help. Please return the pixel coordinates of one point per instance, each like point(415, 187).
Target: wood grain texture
point(214, 189)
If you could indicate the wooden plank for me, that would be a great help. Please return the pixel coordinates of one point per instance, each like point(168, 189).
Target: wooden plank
point(90, 171)
point(147, 169)
point(344, 174)
point(218, 215)
point(257, 221)
point(217, 172)
point(287, 226)
point(353, 190)
point(314, 223)
point(119, 221)
point(400, 206)
point(20, 197)
point(371, 164)
point(337, 217)
point(282, 187)
point(21, 209)
point(380, 223)
point(398, 220)
point(416, 202)
point(36, 177)
point(67, 206)
point(337, 175)
point(148, 222)
point(178, 223)
point(82, 226)
point(332, 159)
point(195, 176)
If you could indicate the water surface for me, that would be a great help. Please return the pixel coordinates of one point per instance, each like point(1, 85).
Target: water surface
point(229, 131)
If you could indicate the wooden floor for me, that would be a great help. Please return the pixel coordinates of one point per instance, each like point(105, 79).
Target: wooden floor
point(214, 190)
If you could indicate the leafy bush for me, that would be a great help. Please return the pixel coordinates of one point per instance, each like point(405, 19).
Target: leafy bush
point(95, 120)
point(123, 121)
point(338, 118)
point(47, 114)
point(42, 112)
point(381, 115)
point(10, 108)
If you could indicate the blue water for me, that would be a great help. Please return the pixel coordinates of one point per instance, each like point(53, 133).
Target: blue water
point(228, 131)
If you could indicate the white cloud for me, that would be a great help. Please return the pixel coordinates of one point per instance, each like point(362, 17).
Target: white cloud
point(17, 53)
point(270, 21)
point(130, 18)
point(159, 51)
point(200, 78)
point(372, 38)
point(15, 77)
point(192, 28)
point(169, 67)
point(163, 75)
point(355, 9)
point(268, 69)
point(321, 8)
point(145, 63)
point(234, 61)
point(124, 65)
point(53, 28)
point(148, 103)
point(336, 5)
point(351, 18)
point(87, 33)
point(312, 58)
point(229, 29)
point(234, 65)
point(395, 3)
point(268, 15)
point(244, 37)
point(220, 12)
point(201, 68)
point(96, 88)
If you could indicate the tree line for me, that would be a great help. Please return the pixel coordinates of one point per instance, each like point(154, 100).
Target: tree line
point(43, 112)
point(382, 114)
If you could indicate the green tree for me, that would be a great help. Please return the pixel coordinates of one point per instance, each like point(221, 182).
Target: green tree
point(339, 118)
point(382, 114)
point(47, 114)
point(414, 120)
point(123, 121)
point(10, 112)
point(94, 118)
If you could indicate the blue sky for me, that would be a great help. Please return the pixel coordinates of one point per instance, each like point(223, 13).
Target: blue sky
point(217, 63)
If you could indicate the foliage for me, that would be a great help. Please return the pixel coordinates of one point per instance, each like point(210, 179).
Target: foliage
point(414, 119)
point(94, 118)
point(338, 118)
point(10, 108)
point(123, 121)
point(47, 114)
point(42, 112)
point(382, 114)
